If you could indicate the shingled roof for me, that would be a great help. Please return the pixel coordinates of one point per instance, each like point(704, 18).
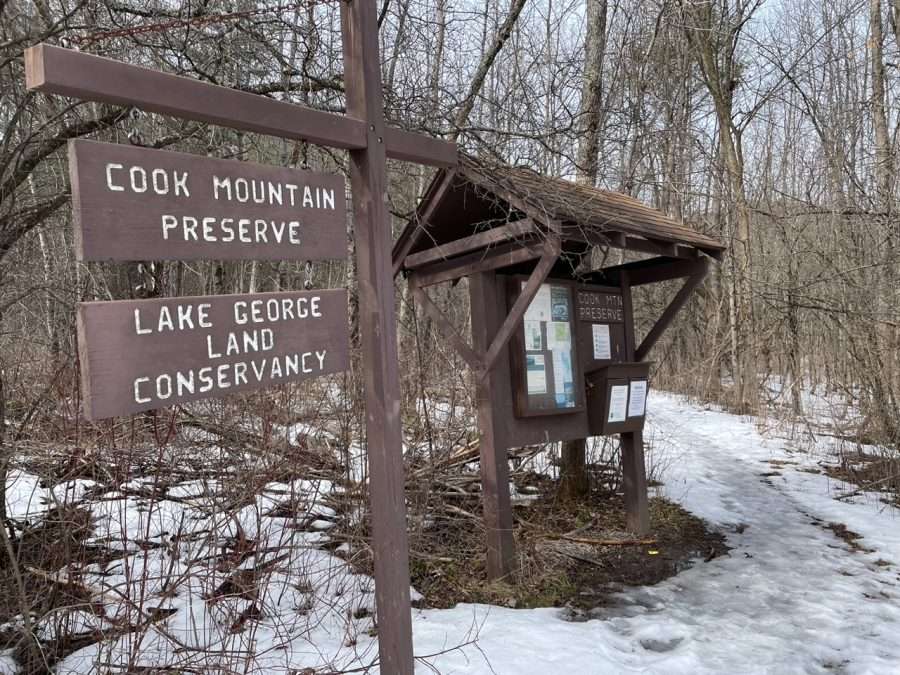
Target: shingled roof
point(479, 195)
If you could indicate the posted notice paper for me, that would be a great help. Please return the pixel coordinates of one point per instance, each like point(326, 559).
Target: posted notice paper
point(559, 336)
point(539, 309)
point(534, 341)
point(536, 373)
point(602, 347)
point(618, 403)
point(637, 398)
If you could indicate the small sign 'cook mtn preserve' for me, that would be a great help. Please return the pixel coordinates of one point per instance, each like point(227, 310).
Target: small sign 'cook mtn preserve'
point(132, 203)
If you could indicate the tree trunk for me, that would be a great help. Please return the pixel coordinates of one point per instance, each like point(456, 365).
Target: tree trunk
point(573, 474)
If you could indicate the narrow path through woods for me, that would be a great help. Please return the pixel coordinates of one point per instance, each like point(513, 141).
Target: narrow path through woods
point(791, 597)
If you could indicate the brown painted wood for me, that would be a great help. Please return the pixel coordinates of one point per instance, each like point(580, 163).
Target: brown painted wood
point(378, 328)
point(599, 385)
point(625, 282)
point(504, 255)
point(408, 146)
point(665, 320)
point(616, 239)
point(132, 203)
point(514, 318)
point(132, 351)
point(652, 271)
point(637, 513)
point(484, 239)
point(485, 297)
point(94, 78)
point(469, 355)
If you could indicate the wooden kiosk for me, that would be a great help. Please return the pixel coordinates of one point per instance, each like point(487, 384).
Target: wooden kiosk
point(554, 351)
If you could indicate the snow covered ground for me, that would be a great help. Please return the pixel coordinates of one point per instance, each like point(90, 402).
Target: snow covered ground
point(791, 597)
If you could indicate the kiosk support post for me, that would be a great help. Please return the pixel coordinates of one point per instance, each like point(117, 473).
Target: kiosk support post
point(637, 517)
point(634, 473)
point(494, 464)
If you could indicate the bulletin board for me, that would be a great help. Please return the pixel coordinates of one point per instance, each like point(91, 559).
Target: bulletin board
point(547, 376)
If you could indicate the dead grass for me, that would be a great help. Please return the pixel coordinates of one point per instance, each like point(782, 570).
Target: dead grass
point(566, 552)
point(870, 473)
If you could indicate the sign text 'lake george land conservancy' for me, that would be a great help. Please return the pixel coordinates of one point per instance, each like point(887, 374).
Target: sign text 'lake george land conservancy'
point(143, 354)
point(132, 203)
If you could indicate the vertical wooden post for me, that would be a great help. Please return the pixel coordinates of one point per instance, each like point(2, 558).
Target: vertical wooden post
point(494, 464)
point(372, 229)
point(637, 514)
point(634, 472)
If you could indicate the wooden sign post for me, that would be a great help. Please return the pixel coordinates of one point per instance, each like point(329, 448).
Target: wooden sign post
point(363, 132)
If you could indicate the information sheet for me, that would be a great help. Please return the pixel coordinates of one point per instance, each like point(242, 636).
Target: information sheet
point(534, 341)
point(618, 402)
point(637, 398)
point(559, 337)
point(539, 309)
point(602, 344)
point(536, 372)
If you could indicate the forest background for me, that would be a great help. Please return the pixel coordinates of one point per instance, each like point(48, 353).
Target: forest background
point(769, 124)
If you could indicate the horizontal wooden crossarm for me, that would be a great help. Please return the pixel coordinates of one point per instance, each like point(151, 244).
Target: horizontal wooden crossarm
point(503, 255)
point(618, 239)
point(469, 355)
point(95, 78)
point(655, 270)
point(409, 146)
point(466, 244)
point(671, 311)
point(551, 251)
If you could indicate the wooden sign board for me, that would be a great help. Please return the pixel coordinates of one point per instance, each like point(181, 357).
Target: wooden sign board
point(144, 354)
point(132, 203)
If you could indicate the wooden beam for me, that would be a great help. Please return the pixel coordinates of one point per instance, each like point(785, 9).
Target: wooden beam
point(378, 339)
point(617, 239)
point(95, 78)
point(625, 285)
point(670, 250)
point(466, 244)
point(667, 248)
point(504, 255)
point(670, 312)
point(409, 146)
point(511, 323)
point(646, 272)
point(469, 355)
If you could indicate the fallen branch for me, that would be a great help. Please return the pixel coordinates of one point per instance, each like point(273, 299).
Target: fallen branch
point(601, 542)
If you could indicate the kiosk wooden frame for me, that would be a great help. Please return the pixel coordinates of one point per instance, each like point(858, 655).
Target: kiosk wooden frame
point(492, 223)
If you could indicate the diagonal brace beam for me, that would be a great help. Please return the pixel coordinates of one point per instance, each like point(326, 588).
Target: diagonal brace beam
point(671, 311)
point(551, 251)
point(469, 355)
